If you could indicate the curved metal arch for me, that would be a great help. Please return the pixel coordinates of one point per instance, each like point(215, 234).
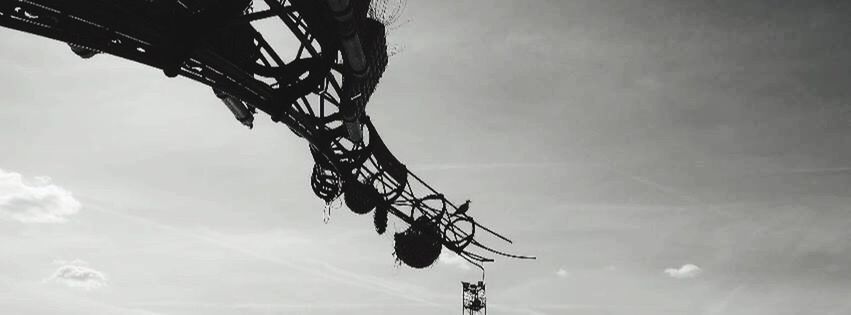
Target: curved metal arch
point(102, 26)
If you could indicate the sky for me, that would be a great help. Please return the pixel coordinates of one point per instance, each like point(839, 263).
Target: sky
point(657, 156)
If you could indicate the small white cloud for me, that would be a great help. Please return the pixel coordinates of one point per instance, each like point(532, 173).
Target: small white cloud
point(452, 259)
point(41, 202)
point(76, 262)
point(562, 273)
point(684, 272)
point(77, 274)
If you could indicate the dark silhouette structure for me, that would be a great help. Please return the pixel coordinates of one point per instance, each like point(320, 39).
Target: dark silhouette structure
point(473, 299)
point(320, 91)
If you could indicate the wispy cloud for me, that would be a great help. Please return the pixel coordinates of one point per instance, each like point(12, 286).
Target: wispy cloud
point(684, 272)
point(273, 307)
point(39, 202)
point(452, 259)
point(721, 306)
point(480, 166)
point(667, 189)
point(826, 170)
point(77, 274)
point(564, 308)
point(320, 269)
point(562, 273)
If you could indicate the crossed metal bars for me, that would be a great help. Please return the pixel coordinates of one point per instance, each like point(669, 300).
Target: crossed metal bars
point(307, 94)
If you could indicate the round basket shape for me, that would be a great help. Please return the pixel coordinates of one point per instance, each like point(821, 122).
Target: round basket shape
point(361, 198)
point(325, 183)
point(419, 246)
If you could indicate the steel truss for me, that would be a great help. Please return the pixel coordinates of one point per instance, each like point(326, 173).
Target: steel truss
point(315, 94)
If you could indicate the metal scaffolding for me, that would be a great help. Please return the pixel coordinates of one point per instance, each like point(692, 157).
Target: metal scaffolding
point(319, 92)
point(473, 300)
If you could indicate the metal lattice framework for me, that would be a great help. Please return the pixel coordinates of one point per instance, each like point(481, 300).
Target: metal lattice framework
point(317, 92)
point(473, 298)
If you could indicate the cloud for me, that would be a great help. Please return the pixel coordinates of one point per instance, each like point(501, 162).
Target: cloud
point(319, 268)
point(452, 259)
point(721, 306)
point(77, 274)
point(684, 272)
point(562, 273)
point(39, 202)
point(479, 166)
point(76, 262)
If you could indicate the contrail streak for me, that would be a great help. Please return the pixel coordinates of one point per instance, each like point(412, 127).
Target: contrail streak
point(721, 306)
point(666, 189)
point(537, 308)
point(651, 183)
point(334, 273)
point(272, 306)
point(813, 170)
point(476, 166)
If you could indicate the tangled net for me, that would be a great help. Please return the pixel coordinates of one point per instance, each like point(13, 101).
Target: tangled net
point(361, 198)
point(389, 13)
point(318, 95)
point(325, 183)
point(419, 246)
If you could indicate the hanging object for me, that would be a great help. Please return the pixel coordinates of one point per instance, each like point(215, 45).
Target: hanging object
point(325, 183)
point(319, 91)
point(473, 298)
point(361, 198)
point(380, 219)
point(419, 246)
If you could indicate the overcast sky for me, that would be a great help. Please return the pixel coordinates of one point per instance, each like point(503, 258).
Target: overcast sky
point(658, 156)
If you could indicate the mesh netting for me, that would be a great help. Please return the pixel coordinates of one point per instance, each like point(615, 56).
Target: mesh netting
point(360, 198)
point(418, 246)
point(389, 13)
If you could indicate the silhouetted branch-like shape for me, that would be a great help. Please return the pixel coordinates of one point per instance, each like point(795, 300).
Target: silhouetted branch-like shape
point(317, 94)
